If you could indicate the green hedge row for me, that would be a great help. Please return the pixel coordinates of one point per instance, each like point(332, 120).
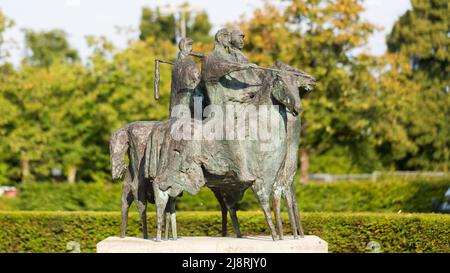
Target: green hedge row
point(344, 232)
point(389, 195)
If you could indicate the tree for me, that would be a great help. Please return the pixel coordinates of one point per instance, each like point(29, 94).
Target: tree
point(5, 23)
point(67, 145)
point(8, 113)
point(165, 26)
point(387, 97)
point(155, 24)
point(46, 47)
point(199, 28)
point(26, 131)
point(41, 130)
point(421, 35)
point(317, 36)
point(118, 90)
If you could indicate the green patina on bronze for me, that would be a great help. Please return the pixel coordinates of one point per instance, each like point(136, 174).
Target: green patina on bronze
point(164, 164)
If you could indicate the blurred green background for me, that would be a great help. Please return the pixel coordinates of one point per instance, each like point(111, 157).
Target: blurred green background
point(367, 113)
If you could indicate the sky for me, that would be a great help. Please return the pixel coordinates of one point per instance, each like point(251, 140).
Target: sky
point(102, 17)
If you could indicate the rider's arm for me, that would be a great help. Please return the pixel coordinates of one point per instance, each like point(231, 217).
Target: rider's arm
point(213, 69)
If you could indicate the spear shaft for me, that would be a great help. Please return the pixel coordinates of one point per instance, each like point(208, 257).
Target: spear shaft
point(157, 61)
point(156, 84)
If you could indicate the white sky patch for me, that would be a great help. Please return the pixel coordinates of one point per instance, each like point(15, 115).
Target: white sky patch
point(383, 13)
point(73, 3)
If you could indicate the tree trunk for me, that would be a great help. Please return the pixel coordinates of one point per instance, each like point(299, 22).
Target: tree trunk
point(71, 178)
point(304, 166)
point(25, 169)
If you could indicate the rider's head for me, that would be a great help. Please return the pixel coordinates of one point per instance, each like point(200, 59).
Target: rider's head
point(237, 38)
point(222, 38)
point(185, 45)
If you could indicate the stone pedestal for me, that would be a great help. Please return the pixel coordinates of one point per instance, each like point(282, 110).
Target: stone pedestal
point(248, 244)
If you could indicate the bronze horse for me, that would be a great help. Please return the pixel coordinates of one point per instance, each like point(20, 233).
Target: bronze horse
point(158, 186)
point(280, 88)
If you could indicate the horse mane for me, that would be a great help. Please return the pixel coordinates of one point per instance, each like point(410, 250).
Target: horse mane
point(264, 96)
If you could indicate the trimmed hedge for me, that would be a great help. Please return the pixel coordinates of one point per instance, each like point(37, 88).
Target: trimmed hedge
point(51, 196)
point(381, 196)
point(344, 232)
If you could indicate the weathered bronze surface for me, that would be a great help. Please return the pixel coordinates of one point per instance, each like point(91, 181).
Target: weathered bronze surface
point(216, 148)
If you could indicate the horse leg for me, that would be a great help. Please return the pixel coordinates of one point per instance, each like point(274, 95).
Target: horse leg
point(127, 199)
point(161, 199)
point(266, 208)
point(166, 229)
point(276, 204)
point(297, 212)
point(167, 221)
point(143, 213)
point(234, 220)
point(298, 219)
point(142, 208)
point(223, 206)
point(263, 200)
point(142, 190)
point(170, 218)
point(290, 208)
point(173, 217)
point(224, 220)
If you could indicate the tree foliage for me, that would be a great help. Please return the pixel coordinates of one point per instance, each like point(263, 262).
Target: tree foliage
point(58, 114)
point(421, 35)
point(366, 112)
point(46, 47)
point(155, 24)
point(166, 26)
point(319, 36)
point(5, 23)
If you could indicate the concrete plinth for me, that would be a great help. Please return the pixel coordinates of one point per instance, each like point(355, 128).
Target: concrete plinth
point(248, 244)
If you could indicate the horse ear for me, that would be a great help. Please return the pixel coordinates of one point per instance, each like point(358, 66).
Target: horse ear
point(280, 64)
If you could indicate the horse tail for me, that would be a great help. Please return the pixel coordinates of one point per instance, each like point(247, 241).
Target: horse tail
point(118, 146)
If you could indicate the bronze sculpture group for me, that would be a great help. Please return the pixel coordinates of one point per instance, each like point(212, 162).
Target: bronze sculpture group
point(209, 139)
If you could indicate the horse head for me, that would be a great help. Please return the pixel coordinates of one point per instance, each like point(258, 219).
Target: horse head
point(292, 82)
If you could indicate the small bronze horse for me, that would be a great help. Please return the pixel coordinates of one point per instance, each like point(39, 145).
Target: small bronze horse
point(132, 139)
